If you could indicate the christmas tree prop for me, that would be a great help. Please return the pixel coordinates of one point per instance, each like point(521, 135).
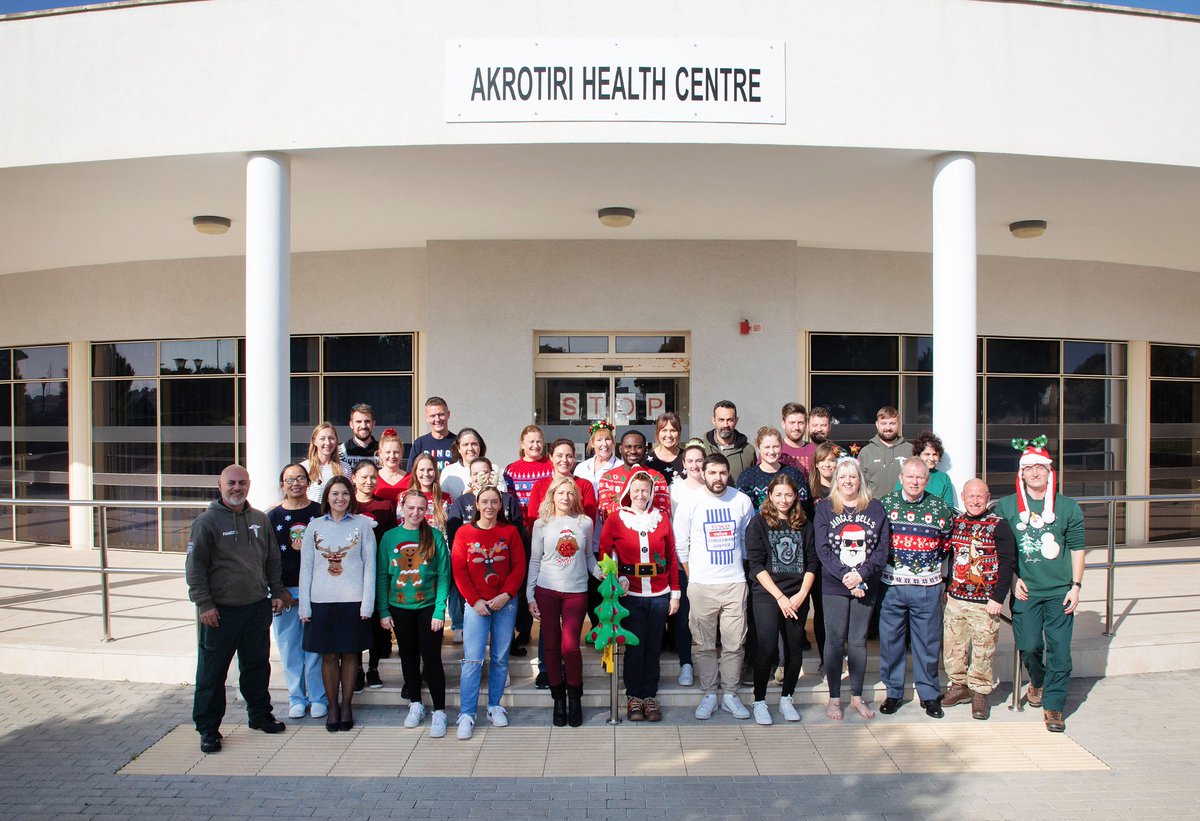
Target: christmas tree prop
point(610, 633)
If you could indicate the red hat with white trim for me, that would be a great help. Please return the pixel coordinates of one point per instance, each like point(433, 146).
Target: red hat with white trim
point(1033, 452)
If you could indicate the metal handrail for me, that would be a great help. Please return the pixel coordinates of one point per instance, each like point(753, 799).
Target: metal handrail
point(104, 570)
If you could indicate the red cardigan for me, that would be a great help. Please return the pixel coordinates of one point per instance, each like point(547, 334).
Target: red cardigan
point(487, 563)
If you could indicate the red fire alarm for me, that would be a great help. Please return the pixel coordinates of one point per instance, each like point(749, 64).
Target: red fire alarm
point(744, 327)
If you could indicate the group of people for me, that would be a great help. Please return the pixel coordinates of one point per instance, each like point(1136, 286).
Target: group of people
point(722, 547)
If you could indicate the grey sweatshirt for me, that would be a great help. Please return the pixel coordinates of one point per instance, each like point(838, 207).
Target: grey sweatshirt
point(337, 563)
point(232, 558)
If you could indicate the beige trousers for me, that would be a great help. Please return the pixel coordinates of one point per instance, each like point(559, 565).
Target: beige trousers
point(968, 631)
point(718, 610)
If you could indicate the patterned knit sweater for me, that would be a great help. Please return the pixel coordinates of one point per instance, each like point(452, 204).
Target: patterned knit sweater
point(920, 539)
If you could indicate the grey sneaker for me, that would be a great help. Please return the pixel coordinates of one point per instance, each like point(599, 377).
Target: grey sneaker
point(730, 703)
point(686, 675)
point(707, 705)
point(466, 726)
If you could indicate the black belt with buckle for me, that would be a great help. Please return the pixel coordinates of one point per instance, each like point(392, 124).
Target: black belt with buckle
point(641, 570)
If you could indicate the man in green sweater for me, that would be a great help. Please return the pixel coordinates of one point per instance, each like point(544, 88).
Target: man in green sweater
point(1050, 556)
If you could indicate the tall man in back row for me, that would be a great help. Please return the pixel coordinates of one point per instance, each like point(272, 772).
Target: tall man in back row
point(1050, 556)
point(232, 568)
point(883, 456)
point(728, 441)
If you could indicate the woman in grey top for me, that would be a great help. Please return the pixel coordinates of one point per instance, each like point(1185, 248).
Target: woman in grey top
point(337, 594)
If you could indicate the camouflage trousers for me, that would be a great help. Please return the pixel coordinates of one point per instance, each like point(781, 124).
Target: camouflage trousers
point(969, 632)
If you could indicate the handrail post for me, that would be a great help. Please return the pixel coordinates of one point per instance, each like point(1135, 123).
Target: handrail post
point(614, 714)
point(1110, 595)
point(1015, 703)
point(105, 612)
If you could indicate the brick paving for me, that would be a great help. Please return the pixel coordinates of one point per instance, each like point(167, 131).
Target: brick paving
point(63, 741)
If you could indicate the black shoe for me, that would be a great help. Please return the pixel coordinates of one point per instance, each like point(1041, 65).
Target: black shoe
point(404, 692)
point(210, 742)
point(519, 652)
point(890, 705)
point(542, 682)
point(933, 708)
point(575, 705)
point(373, 679)
point(522, 639)
point(559, 693)
point(360, 681)
point(268, 724)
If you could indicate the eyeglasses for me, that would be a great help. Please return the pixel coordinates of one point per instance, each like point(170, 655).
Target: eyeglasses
point(296, 480)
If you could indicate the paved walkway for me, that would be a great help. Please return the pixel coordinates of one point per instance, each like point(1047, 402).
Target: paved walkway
point(1131, 742)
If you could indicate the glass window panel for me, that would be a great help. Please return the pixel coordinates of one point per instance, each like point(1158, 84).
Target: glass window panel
point(1100, 358)
point(6, 462)
point(854, 400)
point(640, 400)
point(305, 414)
point(197, 425)
point(389, 396)
point(1095, 401)
point(50, 525)
point(918, 353)
point(305, 354)
point(129, 528)
point(1082, 456)
point(198, 356)
point(918, 401)
point(124, 432)
point(40, 363)
point(1002, 462)
point(125, 359)
point(1023, 401)
point(572, 344)
point(566, 406)
point(40, 430)
point(177, 524)
point(1174, 360)
point(844, 352)
point(1174, 402)
point(650, 344)
point(1022, 355)
point(357, 354)
point(1095, 517)
point(5, 363)
point(1174, 452)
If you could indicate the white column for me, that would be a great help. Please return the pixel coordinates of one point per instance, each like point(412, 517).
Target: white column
point(79, 441)
point(268, 289)
point(954, 311)
point(1137, 444)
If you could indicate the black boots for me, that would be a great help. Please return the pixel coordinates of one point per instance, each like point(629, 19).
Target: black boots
point(559, 692)
point(574, 705)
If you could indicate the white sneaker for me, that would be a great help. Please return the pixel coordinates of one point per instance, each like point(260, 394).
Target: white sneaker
point(730, 703)
point(297, 711)
point(466, 727)
point(787, 709)
point(762, 713)
point(319, 711)
point(437, 724)
point(416, 714)
point(707, 705)
point(685, 675)
point(498, 716)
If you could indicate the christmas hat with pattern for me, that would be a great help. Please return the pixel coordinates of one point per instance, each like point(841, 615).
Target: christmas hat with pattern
point(1033, 452)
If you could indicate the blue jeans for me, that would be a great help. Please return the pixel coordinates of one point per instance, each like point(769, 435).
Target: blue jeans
point(476, 630)
point(454, 606)
point(911, 610)
point(301, 670)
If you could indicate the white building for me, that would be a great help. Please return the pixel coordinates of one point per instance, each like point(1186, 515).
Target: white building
point(850, 156)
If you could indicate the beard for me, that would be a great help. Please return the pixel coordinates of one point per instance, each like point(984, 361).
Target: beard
point(818, 438)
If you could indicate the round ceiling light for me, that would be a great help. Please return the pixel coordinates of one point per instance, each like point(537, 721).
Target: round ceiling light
point(1027, 229)
point(211, 225)
point(615, 217)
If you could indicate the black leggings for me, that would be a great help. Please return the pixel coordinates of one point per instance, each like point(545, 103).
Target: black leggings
point(769, 622)
point(420, 648)
point(846, 622)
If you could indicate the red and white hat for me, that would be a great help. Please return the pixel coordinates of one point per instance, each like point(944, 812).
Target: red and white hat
point(1033, 452)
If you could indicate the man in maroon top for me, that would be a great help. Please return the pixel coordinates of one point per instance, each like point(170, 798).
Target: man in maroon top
point(796, 452)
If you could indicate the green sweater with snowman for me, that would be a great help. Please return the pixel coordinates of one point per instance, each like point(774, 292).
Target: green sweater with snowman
point(1042, 562)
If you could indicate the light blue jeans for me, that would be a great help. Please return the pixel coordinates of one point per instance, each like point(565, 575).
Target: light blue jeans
point(476, 630)
point(301, 670)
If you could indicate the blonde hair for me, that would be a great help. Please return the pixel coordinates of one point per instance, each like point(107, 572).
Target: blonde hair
point(314, 463)
point(546, 511)
point(835, 493)
point(435, 497)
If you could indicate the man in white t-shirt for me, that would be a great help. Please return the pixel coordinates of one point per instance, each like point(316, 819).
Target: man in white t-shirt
point(710, 537)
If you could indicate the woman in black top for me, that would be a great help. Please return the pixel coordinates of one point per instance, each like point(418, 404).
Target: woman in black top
point(783, 564)
point(666, 456)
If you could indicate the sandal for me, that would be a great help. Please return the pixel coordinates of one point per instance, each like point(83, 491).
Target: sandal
point(862, 709)
point(834, 710)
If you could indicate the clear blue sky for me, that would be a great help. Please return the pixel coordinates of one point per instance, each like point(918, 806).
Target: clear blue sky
point(1187, 6)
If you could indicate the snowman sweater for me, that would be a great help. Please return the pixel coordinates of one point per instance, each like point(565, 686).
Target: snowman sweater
point(920, 539)
point(1044, 548)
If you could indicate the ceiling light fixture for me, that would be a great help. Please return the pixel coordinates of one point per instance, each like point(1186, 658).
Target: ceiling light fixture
point(211, 225)
point(1027, 229)
point(615, 217)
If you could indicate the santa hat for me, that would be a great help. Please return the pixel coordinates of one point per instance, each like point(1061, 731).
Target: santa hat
point(1033, 452)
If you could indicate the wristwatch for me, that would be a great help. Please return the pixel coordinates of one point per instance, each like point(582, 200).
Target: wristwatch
point(1078, 584)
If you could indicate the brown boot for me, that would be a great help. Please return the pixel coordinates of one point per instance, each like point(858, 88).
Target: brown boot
point(1034, 696)
point(979, 706)
point(1054, 721)
point(956, 694)
point(635, 710)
